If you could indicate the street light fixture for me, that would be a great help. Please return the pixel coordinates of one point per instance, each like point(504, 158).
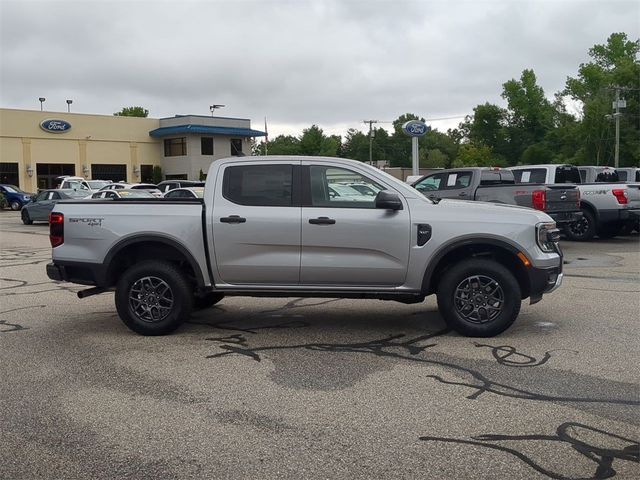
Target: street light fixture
point(69, 102)
point(214, 107)
point(41, 99)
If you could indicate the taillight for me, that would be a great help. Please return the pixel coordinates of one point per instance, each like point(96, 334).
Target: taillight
point(56, 229)
point(539, 198)
point(621, 195)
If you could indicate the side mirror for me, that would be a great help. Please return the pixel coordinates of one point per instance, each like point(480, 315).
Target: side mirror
point(388, 200)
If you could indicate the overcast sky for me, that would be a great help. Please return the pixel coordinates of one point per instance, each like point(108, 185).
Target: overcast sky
point(299, 62)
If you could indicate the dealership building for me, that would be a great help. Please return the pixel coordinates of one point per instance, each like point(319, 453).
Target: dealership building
point(38, 146)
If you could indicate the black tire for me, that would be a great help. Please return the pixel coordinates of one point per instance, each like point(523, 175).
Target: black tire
point(487, 274)
point(583, 229)
point(26, 219)
point(15, 205)
point(610, 230)
point(207, 301)
point(145, 305)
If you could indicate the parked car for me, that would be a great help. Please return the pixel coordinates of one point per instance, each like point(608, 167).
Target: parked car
point(38, 209)
point(268, 226)
point(79, 183)
point(194, 192)
point(607, 208)
point(497, 185)
point(122, 193)
point(167, 185)
point(15, 197)
point(150, 187)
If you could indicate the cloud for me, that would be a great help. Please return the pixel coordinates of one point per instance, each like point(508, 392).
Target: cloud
point(332, 63)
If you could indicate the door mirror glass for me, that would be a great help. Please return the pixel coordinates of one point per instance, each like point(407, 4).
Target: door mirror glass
point(388, 200)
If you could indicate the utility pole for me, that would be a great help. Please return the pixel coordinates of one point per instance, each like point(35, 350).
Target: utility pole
point(617, 117)
point(370, 122)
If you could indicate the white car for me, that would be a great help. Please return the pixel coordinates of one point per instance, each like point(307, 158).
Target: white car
point(192, 192)
point(79, 183)
point(150, 187)
point(122, 193)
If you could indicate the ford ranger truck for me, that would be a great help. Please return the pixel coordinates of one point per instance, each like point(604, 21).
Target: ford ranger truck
point(607, 208)
point(276, 227)
point(497, 185)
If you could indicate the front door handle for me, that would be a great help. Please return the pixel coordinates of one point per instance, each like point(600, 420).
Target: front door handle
point(233, 219)
point(462, 194)
point(322, 221)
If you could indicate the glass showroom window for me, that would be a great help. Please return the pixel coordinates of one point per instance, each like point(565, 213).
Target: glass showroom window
point(174, 147)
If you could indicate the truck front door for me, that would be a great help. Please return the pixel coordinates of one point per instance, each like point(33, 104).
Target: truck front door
point(346, 241)
point(256, 223)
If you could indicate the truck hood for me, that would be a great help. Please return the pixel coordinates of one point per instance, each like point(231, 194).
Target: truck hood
point(466, 208)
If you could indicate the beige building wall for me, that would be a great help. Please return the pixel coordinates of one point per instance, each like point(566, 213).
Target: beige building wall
point(92, 139)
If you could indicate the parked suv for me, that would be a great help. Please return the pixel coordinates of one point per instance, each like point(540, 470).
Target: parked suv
point(15, 197)
point(167, 185)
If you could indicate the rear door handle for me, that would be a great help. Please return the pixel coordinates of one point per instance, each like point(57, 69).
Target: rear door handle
point(233, 219)
point(322, 221)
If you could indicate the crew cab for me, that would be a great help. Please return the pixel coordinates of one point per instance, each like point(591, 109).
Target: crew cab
point(560, 202)
point(607, 208)
point(269, 227)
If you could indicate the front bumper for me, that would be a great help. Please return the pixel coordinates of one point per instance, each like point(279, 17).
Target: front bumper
point(545, 280)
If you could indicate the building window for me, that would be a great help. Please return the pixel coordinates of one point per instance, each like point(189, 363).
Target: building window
point(206, 145)
point(9, 173)
point(236, 147)
point(113, 172)
point(146, 173)
point(175, 147)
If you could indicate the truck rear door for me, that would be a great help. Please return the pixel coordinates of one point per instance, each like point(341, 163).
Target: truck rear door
point(256, 223)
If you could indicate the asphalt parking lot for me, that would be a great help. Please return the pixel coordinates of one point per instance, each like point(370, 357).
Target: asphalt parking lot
point(319, 388)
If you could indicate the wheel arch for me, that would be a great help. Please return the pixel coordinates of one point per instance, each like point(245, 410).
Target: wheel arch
point(145, 247)
point(503, 252)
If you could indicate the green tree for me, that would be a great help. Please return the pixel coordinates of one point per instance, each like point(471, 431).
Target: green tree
point(314, 142)
point(282, 145)
point(356, 145)
point(132, 112)
point(612, 64)
point(470, 155)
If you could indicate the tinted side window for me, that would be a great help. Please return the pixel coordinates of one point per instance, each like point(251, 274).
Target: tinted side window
point(568, 175)
point(259, 185)
point(55, 196)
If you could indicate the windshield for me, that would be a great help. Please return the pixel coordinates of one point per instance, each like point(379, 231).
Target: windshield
point(13, 189)
point(97, 184)
point(75, 184)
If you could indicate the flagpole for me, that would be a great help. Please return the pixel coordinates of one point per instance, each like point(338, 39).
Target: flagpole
point(266, 137)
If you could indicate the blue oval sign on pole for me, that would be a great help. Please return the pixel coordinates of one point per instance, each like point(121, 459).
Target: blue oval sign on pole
point(415, 128)
point(55, 126)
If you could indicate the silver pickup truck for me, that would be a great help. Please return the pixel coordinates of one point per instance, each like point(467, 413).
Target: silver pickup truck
point(607, 208)
point(498, 185)
point(281, 227)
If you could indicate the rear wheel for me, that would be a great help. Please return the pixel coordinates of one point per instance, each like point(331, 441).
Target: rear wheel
point(26, 219)
point(582, 229)
point(479, 298)
point(153, 298)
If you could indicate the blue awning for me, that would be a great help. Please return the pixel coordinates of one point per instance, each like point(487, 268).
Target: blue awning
point(205, 130)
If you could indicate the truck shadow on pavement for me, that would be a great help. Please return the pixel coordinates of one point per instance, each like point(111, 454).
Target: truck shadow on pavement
point(592, 444)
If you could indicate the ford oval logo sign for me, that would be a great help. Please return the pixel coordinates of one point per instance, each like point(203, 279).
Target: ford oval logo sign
point(415, 128)
point(55, 126)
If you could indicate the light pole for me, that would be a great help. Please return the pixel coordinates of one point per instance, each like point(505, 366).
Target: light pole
point(214, 107)
point(41, 99)
point(370, 122)
point(69, 102)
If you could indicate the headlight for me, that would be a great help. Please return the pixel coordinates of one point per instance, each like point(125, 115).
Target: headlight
point(547, 235)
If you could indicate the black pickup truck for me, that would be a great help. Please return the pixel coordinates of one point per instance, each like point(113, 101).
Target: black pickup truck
point(560, 202)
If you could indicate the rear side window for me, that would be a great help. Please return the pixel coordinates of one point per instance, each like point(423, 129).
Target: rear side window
point(259, 185)
point(530, 175)
point(568, 175)
point(457, 180)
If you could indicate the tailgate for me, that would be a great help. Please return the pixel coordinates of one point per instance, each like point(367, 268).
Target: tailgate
point(563, 198)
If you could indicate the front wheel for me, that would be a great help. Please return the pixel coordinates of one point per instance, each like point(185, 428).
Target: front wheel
point(479, 298)
point(26, 219)
point(15, 205)
point(153, 298)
